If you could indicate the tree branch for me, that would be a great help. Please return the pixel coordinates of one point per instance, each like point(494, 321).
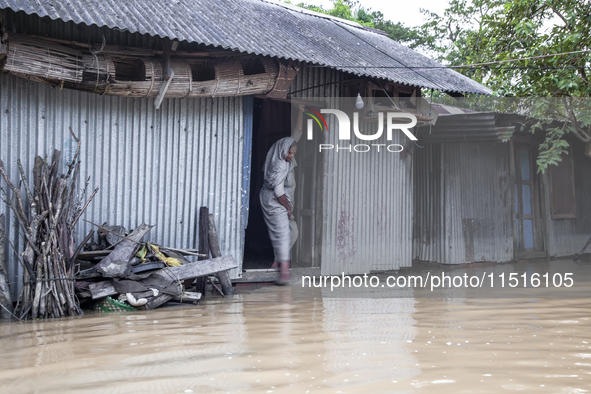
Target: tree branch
point(566, 24)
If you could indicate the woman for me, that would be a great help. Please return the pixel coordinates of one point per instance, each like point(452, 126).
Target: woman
point(277, 202)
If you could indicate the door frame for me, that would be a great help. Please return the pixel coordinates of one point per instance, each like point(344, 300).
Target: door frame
point(537, 203)
point(315, 212)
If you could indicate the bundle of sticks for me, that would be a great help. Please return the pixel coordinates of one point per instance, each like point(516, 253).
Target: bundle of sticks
point(46, 217)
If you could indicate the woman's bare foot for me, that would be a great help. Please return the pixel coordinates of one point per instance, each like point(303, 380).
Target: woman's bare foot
point(274, 265)
point(285, 276)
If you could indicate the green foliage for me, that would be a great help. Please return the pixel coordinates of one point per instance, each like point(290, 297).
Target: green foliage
point(344, 9)
point(531, 28)
point(353, 11)
point(488, 31)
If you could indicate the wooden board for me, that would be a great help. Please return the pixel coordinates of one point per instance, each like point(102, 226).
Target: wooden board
point(258, 276)
point(188, 296)
point(156, 302)
point(102, 289)
point(87, 274)
point(125, 250)
point(181, 272)
point(214, 246)
point(91, 255)
point(204, 267)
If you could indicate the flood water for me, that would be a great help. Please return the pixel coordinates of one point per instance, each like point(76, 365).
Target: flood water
point(276, 339)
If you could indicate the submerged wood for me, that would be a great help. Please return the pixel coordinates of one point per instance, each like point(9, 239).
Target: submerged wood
point(156, 302)
point(188, 296)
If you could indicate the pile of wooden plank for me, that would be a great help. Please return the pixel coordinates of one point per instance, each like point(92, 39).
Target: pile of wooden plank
point(145, 275)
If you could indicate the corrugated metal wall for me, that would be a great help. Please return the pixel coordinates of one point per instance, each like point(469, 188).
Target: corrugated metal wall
point(568, 236)
point(428, 208)
point(477, 203)
point(366, 197)
point(368, 209)
point(153, 166)
point(471, 194)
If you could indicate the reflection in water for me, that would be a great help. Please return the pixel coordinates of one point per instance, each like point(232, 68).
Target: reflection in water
point(298, 340)
point(368, 340)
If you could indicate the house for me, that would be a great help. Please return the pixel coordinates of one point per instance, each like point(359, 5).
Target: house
point(479, 197)
point(176, 101)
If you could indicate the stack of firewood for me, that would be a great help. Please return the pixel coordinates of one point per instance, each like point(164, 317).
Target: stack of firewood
point(46, 218)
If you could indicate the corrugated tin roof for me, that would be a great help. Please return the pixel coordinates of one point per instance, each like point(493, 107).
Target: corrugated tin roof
point(455, 124)
point(262, 28)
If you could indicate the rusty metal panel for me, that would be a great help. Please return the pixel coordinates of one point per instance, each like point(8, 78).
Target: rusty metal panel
point(153, 166)
point(477, 193)
point(463, 210)
point(562, 188)
point(428, 193)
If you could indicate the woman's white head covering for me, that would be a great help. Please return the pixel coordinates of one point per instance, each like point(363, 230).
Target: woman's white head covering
point(276, 168)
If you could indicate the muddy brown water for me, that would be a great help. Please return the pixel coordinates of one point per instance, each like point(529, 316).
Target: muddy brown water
point(283, 340)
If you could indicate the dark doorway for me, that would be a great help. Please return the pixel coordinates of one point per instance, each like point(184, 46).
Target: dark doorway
point(271, 122)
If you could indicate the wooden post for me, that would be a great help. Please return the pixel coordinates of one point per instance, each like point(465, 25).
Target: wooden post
point(214, 245)
point(5, 300)
point(168, 73)
point(203, 245)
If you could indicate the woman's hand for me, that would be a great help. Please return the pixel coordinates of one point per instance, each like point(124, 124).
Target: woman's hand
point(283, 201)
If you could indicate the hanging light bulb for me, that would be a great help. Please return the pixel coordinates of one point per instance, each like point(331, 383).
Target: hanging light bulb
point(359, 103)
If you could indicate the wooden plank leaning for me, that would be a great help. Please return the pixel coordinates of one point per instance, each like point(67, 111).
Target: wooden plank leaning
point(200, 283)
point(214, 247)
